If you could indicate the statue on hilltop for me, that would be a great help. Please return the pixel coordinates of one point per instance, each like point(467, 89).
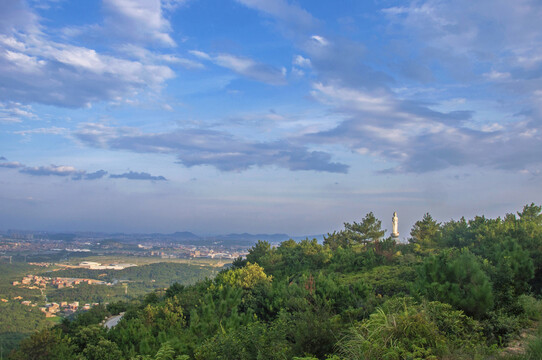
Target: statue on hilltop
point(395, 225)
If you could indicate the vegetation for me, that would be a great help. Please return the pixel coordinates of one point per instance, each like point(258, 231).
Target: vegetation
point(18, 321)
point(129, 283)
point(458, 290)
point(157, 274)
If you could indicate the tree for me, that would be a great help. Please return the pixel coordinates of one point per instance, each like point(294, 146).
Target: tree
point(457, 278)
point(258, 251)
point(103, 350)
point(531, 213)
point(174, 289)
point(513, 270)
point(368, 230)
point(425, 232)
point(246, 277)
point(45, 344)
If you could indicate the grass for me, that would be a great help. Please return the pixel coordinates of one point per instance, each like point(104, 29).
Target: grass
point(54, 320)
point(533, 349)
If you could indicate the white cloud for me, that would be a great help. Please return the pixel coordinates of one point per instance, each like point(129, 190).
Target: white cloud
point(43, 131)
point(292, 15)
point(144, 55)
point(139, 20)
point(250, 68)
point(354, 99)
point(200, 54)
point(186, 63)
point(11, 164)
point(418, 139)
point(35, 69)
point(301, 61)
point(297, 72)
point(320, 40)
point(486, 30)
point(173, 4)
point(26, 64)
point(15, 14)
point(497, 76)
point(60, 170)
point(246, 67)
point(15, 112)
point(222, 150)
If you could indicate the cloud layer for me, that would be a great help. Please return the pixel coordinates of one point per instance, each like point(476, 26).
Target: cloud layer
point(449, 42)
point(34, 68)
point(73, 173)
point(246, 67)
point(221, 150)
point(138, 176)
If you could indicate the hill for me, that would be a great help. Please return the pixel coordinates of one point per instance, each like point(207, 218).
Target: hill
point(458, 290)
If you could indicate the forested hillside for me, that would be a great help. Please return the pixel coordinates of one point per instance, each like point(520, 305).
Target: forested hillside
point(18, 321)
point(459, 290)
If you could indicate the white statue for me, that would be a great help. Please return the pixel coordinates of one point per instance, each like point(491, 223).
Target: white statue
point(395, 225)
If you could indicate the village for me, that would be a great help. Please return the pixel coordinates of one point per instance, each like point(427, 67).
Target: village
point(53, 309)
point(63, 308)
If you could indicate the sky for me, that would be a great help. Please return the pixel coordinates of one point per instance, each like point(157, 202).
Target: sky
point(266, 116)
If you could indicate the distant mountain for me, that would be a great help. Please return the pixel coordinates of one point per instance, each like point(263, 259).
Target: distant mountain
point(185, 235)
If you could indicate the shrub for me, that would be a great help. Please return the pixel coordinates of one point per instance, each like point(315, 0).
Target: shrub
point(499, 327)
point(402, 329)
point(457, 278)
point(532, 307)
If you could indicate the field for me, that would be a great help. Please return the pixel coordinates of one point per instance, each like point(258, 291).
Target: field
point(108, 259)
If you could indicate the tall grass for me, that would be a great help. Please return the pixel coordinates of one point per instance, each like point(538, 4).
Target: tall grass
point(533, 350)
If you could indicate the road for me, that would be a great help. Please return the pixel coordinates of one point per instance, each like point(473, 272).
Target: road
point(113, 321)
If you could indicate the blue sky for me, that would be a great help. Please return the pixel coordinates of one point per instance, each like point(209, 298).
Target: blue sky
point(266, 115)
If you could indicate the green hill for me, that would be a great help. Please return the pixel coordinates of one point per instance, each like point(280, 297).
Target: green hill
point(458, 290)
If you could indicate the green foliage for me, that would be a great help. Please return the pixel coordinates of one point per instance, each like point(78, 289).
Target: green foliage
point(45, 345)
point(532, 308)
point(258, 251)
point(290, 257)
point(174, 289)
point(456, 277)
point(246, 277)
point(386, 280)
point(355, 259)
point(254, 341)
point(531, 214)
point(500, 327)
point(17, 322)
point(93, 316)
point(425, 233)
point(116, 308)
point(368, 230)
point(534, 348)
point(460, 330)
point(218, 313)
point(402, 329)
point(472, 282)
point(511, 273)
point(157, 275)
point(400, 335)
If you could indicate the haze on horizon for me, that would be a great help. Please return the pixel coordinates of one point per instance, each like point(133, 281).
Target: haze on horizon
point(266, 116)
